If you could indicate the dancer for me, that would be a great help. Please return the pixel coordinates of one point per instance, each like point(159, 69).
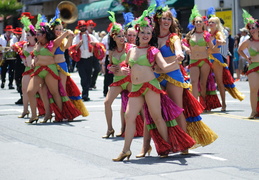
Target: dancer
point(253, 47)
point(71, 88)
point(195, 44)
point(146, 89)
point(24, 49)
point(45, 72)
point(117, 53)
point(174, 81)
point(222, 74)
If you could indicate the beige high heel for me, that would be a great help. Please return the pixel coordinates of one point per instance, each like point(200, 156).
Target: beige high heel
point(185, 152)
point(253, 115)
point(46, 120)
point(32, 120)
point(122, 156)
point(109, 132)
point(144, 154)
point(24, 114)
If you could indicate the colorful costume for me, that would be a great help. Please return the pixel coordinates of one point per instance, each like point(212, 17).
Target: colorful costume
point(211, 100)
point(228, 80)
point(123, 81)
point(18, 47)
point(72, 90)
point(254, 67)
point(68, 109)
point(178, 139)
point(199, 131)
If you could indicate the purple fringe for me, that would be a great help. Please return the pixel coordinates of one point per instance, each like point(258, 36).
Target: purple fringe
point(211, 85)
point(124, 99)
point(169, 110)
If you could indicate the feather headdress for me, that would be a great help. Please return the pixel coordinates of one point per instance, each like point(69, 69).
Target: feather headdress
point(160, 8)
point(116, 27)
point(41, 21)
point(128, 17)
point(55, 20)
point(211, 12)
point(27, 24)
point(248, 19)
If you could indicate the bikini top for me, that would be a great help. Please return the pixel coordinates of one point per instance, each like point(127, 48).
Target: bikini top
point(142, 61)
point(253, 52)
point(166, 51)
point(43, 51)
point(118, 61)
point(214, 42)
point(58, 51)
point(26, 53)
point(200, 42)
point(145, 59)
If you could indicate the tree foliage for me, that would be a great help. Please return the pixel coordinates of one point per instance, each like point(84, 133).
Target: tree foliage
point(9, 7)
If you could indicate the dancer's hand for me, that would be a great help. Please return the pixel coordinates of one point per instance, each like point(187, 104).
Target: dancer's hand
point(125, 70)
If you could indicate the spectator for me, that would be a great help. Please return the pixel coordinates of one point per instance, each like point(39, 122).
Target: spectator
point(230, 51)
point(86, 62)
point(19, 66)
point(242, 61)
point(9, 56)
point(236, 58)
point(90, 25)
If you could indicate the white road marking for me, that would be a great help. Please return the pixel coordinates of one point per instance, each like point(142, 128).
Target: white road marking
point(208, 156)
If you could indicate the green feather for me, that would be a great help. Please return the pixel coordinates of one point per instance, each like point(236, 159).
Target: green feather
point(38, 21)
point(26, 22)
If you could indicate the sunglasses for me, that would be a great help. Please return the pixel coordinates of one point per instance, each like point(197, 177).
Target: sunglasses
point(198, 21)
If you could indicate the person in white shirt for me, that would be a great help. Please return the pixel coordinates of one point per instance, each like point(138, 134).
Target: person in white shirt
point(108, 77)
point(242, 61)
point(19, 66)
point(7, 63)
point(85, 64)
point(90, 25)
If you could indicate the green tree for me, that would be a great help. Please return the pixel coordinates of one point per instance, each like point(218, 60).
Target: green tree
point(9, 7)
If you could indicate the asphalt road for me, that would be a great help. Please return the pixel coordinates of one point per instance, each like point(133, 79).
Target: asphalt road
point(76, 151)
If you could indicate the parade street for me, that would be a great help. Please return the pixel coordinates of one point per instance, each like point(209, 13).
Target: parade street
point(76, 151)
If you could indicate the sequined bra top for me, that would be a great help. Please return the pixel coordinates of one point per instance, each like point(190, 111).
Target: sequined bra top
point(58, 51)
point(43, 51)
point(200, 42)
point(166, 51)
point(142, 61)
point(253, 52)
point(118, 61)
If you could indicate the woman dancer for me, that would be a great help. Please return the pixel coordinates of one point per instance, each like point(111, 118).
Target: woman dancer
point(45, 71)
point(130, 32)
point(71, 88)
point(173, 80)
point(23, 48)
point(195, 44)
point(222, 74)
point(117, 53)
point(252, 45)
point(146, 89)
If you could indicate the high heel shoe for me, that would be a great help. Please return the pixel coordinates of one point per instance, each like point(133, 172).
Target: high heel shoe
point(24, 114)
point(185, 152)
point(144, 154)
point(122, 156)
point(120, 134)
point(253, 115)
point(110, 132)
point(163, 156)
point(46, 120)
point(223, 109)
point(32, 120)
